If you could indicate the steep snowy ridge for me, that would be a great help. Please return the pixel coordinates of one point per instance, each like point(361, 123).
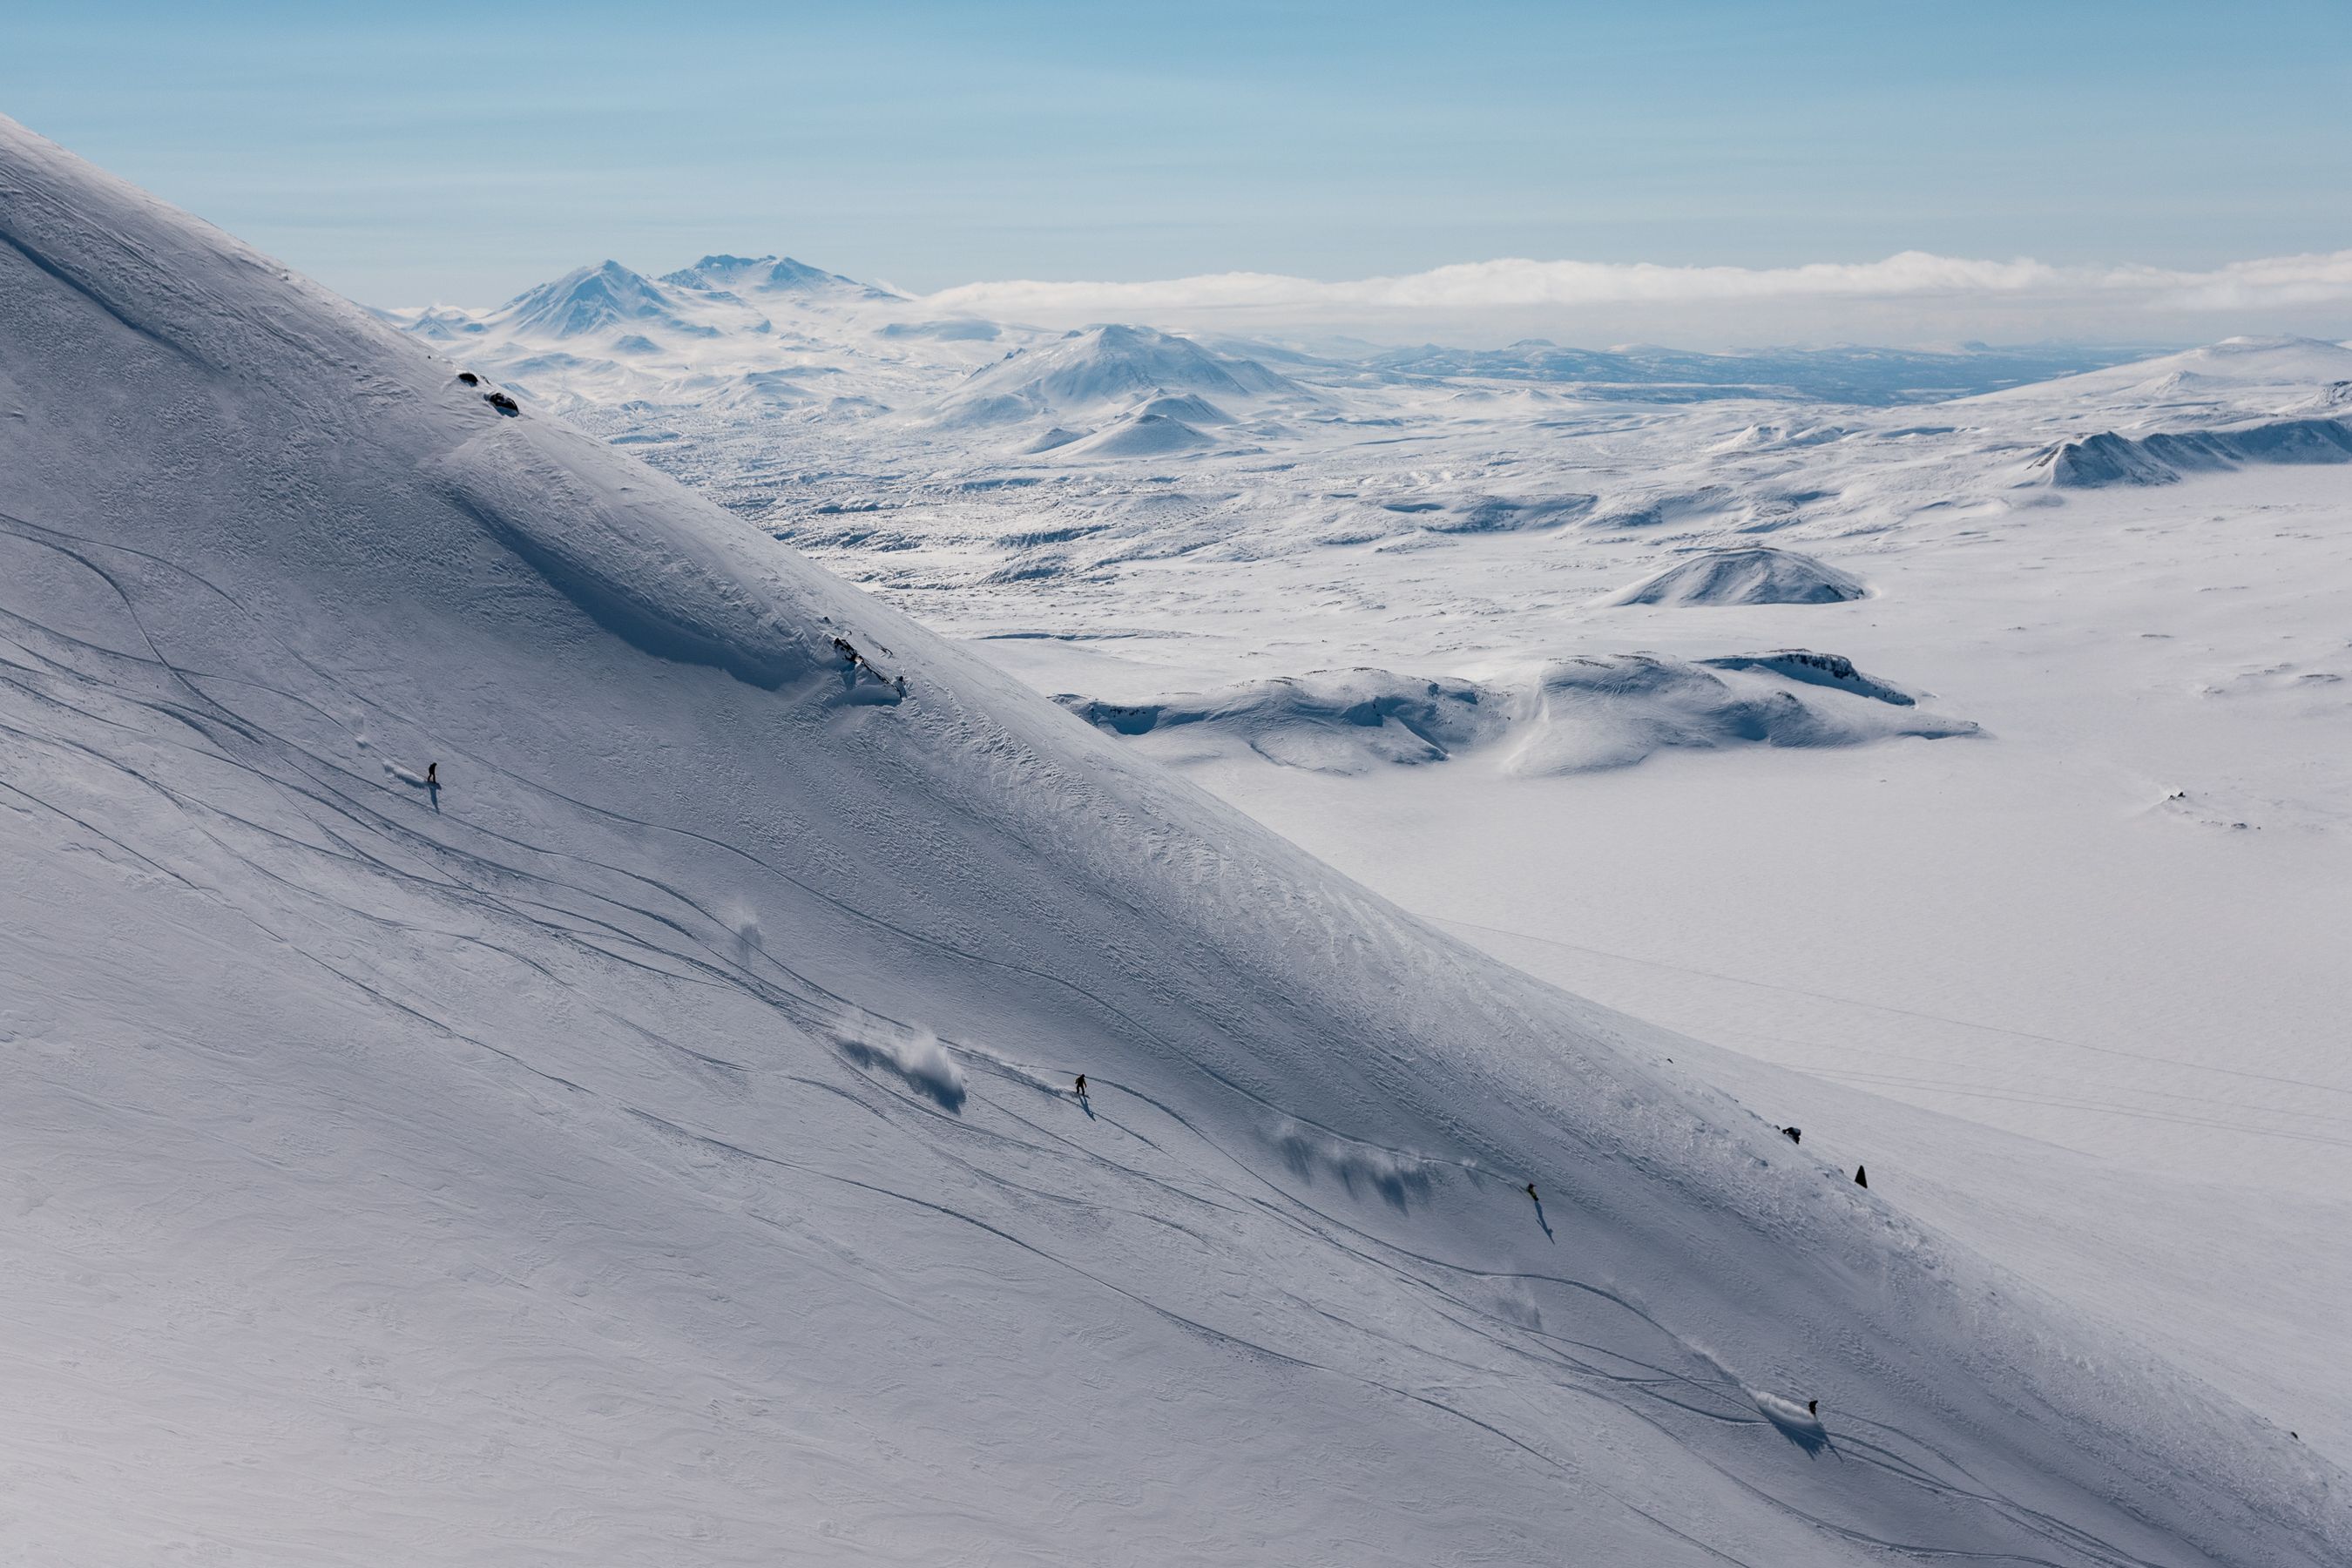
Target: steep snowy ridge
point(650, 1144)
point(2163, 457)
point(593, 299)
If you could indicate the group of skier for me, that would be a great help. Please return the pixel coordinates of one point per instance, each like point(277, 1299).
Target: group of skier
point(1861, 1179)
point(1078, 1087)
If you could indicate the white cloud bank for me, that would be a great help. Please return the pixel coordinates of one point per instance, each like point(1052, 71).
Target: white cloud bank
point(1929, 290)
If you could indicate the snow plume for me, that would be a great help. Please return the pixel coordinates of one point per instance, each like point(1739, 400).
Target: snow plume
point(914, 1055)
point(1791, 1420)
point(743, 924)
point(1397, 1177)
point(1782, 1412)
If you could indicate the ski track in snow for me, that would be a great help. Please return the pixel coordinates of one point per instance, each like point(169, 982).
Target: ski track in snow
point(648, 1146)
point(469, 873)
point(472, 877)
point(2124, 576)
point(352, 818)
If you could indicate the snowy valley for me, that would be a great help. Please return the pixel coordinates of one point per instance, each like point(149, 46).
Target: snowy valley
point(544, 993)
point(2091, 942)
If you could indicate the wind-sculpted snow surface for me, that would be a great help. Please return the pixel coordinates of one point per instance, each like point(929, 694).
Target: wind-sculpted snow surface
point(1338, 721)
point(697, 595)
point(1594, 713)
point(646, 1142)
point(1576, 716)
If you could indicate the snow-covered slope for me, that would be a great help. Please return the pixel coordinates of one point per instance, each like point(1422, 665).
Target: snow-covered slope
point(651, 1143)
point(1749, 575)
point(1136, 435)
point(2234, 369)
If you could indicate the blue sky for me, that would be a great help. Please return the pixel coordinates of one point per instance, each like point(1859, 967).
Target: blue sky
point(409, 153)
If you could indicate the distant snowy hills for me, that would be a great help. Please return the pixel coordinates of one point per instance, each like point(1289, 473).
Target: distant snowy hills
point(2164, 457)
point(2236, 369)
point(544, 1027)
point(682, 339)
point(703, 300)
point(1109, 365)
point(769, 275)
point(1752, 574)
point(726, 367)
point(595, 299)
point(1150, 392)
point(1648, 374)
point(758, 333)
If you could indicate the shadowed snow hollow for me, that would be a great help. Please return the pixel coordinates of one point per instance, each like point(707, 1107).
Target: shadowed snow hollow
point(652, 1140)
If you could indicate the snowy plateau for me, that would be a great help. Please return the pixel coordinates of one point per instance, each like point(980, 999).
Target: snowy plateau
point(562, 863)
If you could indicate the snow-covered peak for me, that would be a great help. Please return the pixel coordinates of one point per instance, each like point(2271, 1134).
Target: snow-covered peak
point(1100, 369)
point(588, 299)
point(768, 275)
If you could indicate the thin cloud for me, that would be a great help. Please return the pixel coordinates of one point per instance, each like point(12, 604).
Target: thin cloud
point(1520, 285)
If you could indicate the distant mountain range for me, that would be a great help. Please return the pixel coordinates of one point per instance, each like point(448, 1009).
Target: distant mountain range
point(696, 334)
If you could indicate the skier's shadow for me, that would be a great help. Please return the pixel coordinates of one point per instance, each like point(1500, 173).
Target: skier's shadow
point(433, 794)
point(1546, 1223)
point(1807, 1435)
point(1086, 1105)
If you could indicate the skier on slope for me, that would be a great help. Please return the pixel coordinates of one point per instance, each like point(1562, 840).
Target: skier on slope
point(1082, 1085)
